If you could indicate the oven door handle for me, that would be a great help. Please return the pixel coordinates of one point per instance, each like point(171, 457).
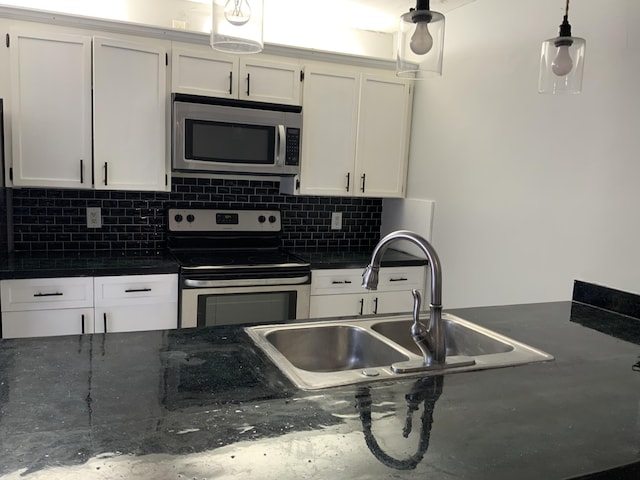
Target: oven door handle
point(246, 282)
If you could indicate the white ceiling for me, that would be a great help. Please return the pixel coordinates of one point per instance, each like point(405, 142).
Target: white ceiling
point(382, 15)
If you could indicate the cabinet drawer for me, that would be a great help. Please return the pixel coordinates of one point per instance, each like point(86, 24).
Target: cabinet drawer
point(401, 278)
point(46, 293)
point(338, 281)
point(135, 289)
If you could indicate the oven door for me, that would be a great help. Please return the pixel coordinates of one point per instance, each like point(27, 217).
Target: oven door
point(210, 306)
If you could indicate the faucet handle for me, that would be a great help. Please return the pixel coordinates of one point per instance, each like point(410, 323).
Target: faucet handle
point(417, 302)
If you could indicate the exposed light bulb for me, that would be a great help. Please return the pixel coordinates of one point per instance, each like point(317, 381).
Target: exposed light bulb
point(563, 63)
point(421, 40)
point(237, 12)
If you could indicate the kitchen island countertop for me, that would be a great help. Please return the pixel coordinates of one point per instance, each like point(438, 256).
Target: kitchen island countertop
point(205, 404)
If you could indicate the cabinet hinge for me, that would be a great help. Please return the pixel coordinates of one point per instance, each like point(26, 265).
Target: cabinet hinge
point(7, 40)
point(11, 173)
point(302, 75)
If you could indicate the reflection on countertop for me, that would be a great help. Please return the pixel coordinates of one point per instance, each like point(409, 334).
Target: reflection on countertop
point(206, 403)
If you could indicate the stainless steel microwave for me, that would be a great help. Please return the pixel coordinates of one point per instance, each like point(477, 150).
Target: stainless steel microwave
point(222, 136)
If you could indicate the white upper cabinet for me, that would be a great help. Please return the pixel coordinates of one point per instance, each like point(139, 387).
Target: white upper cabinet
point(355, 133)
point(129, 115)
point(269, 81)
point(200, 72)
point(383, 136)
point(330, 109)
point(209, 73)
point(51, 109)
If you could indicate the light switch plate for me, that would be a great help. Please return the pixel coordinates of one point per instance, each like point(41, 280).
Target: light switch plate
point(336, 220)
point(94, 217)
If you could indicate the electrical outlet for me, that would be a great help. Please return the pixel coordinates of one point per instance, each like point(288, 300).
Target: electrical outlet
point(94, 217)
point(336, 220)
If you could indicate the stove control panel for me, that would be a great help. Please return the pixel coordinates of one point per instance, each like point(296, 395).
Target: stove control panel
point(209, 220)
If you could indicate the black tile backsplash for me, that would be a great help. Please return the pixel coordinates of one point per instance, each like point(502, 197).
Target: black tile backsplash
point(134, 223)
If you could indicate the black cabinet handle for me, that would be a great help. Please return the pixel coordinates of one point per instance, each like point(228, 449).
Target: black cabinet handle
point(375, 306)
point(230, 83)
point(361, 306)
point(104, 318)
point(106, 172)
point(363, 180)
point(340, 282)
point(82, 324)
point(248, 84)
point(401, 279)
point(81, 171)
point(53, 294)
point(348, 180)
point(134, 290)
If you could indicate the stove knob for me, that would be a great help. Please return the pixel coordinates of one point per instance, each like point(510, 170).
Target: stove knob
point(178, 218)
point(272, 219)
point(262, 219)
point(190, 218)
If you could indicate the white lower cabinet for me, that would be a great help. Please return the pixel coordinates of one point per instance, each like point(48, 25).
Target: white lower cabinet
point(136, 302)
point(338, 292)
point(38, 307)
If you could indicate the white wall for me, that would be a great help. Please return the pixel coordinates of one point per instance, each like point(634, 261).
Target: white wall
point(532, 191)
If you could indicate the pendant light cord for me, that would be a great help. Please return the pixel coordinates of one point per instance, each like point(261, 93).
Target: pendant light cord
point(566, 10)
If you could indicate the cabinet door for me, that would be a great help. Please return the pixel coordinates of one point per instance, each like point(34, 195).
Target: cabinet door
point(133, 318)
point(330, 106)
point(204, 73)
point(272, 82)
point(393, 302)
point(381, 158)
point(51, 110)
point(326, 306)
point(129, 105)
point(45, 323)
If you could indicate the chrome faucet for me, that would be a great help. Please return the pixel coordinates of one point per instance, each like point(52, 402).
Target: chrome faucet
point(430, 340)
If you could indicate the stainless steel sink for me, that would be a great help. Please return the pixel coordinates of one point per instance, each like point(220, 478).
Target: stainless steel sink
point(332, 348)
point(316, 355)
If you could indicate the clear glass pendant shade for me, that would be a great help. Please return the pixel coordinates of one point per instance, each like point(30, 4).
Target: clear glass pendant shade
point(420, 44)
point(561, 65)
point(236, 26)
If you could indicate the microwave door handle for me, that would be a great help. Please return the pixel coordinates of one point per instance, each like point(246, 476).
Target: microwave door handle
point(281, 145)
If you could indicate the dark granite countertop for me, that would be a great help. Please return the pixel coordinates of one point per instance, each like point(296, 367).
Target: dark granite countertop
point(205, 404)
point(357, 259)
point(85, 265)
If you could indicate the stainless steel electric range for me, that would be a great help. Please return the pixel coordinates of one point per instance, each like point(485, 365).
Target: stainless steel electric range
point(233, 269)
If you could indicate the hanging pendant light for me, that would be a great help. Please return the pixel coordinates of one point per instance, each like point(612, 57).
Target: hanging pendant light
point(236, 26)
point(420, 42)
point(562, 61)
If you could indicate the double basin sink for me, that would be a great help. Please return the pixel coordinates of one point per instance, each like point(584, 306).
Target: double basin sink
point(322, 354)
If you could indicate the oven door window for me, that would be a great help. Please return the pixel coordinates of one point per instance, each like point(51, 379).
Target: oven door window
point(236, 308)
point(220, 142)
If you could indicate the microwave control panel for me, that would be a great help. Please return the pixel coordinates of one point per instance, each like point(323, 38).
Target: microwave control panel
point(292, 156)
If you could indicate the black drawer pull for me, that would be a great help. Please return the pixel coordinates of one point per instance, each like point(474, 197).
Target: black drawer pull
point(54, 294)
point(134, 290)
point(401, 279)
point(105, 321)
point(361, 306)
point(82, 320)
point(375, 306)
point(340, 282)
